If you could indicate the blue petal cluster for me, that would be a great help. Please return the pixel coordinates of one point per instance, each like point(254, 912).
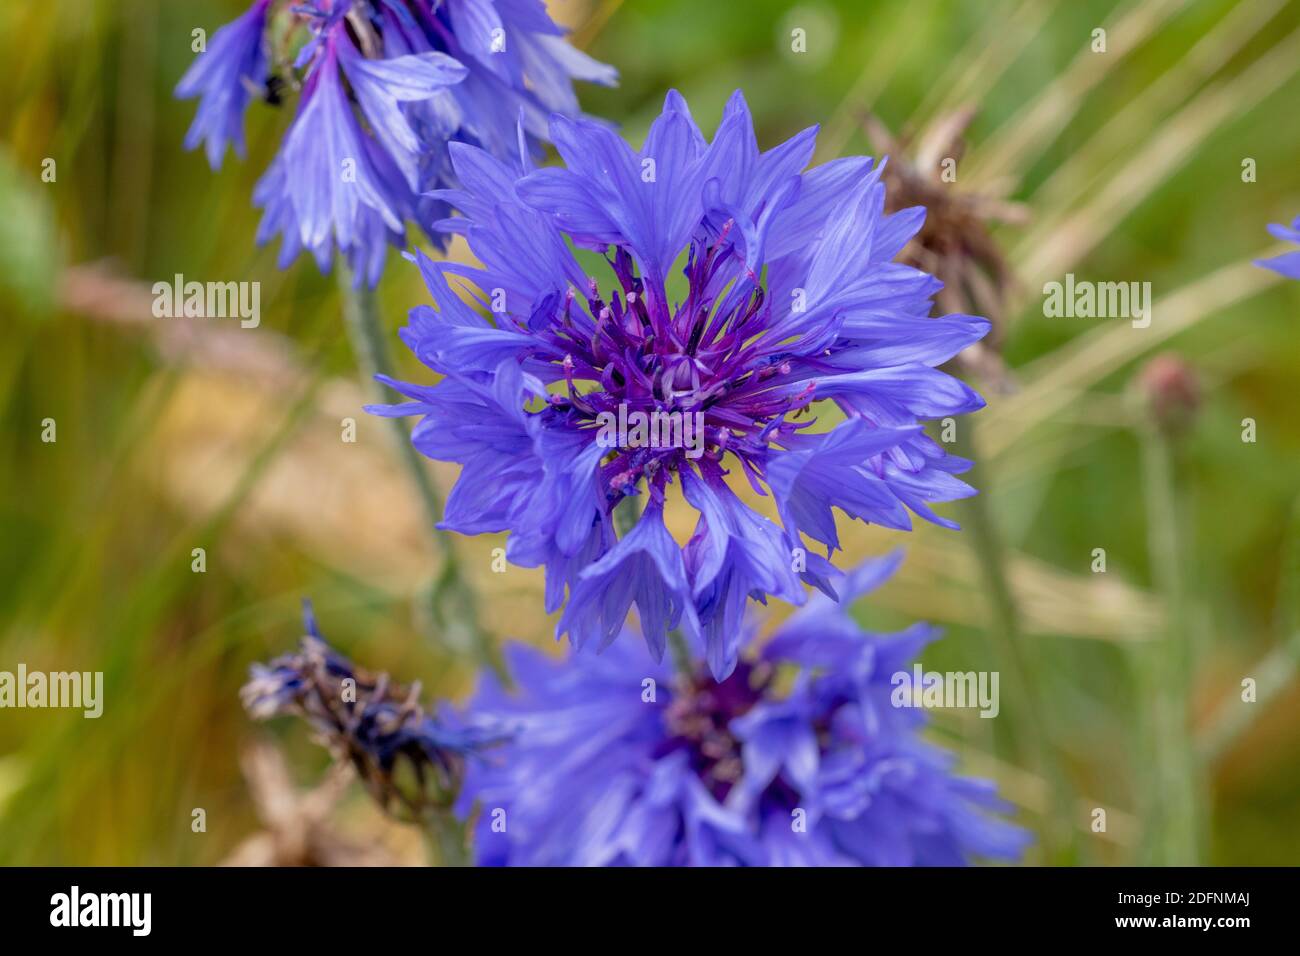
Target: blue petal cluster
point(613, 762)
point(385, 86)
point(1287, 264)
point(791, 297)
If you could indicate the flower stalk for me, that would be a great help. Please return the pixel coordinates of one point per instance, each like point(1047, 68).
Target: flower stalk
point(454, 601)
point(1008, 642)
point(1165, 668)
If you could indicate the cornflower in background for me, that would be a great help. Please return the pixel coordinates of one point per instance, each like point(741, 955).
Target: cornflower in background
point(410, 761)
point(384, 86)
point(791, 297)
point(798, 758)
point(1287, 264)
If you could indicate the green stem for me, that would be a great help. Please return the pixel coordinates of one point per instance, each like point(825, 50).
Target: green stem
point(446, 839)
point(1028, 733)
point(1165, 671)
point(455, 605)
point(366, 331)
point(681, 655)
point(626, 514)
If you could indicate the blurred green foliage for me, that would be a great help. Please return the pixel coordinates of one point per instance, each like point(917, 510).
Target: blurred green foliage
point(97, 529)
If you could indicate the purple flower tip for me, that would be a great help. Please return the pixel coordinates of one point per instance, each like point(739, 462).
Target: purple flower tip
point(386, 87)
point(1287, 264)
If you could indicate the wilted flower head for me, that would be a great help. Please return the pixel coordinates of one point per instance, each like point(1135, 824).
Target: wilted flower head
point(790, 296)
point(956, 244)
point(409, 760)
point(1287, 264)
point(798, 758)
point(385, 86)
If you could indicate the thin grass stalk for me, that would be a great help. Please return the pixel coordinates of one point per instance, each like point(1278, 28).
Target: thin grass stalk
point(1277, 672)
point(1024, 135)
point(1078, 175)
point(1058, 242)
point(1053, 382)
point(983, 61)
point(875, 75)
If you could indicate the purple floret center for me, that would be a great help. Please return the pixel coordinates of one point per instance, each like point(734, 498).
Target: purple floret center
point(698, 721)
point(711, 355)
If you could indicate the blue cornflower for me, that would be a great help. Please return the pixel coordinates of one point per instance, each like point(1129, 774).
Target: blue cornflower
point(1287, 264)
point(225, 77)
point(616, 762)
point(385, 86)
point(410, 761)
point(791, 296)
